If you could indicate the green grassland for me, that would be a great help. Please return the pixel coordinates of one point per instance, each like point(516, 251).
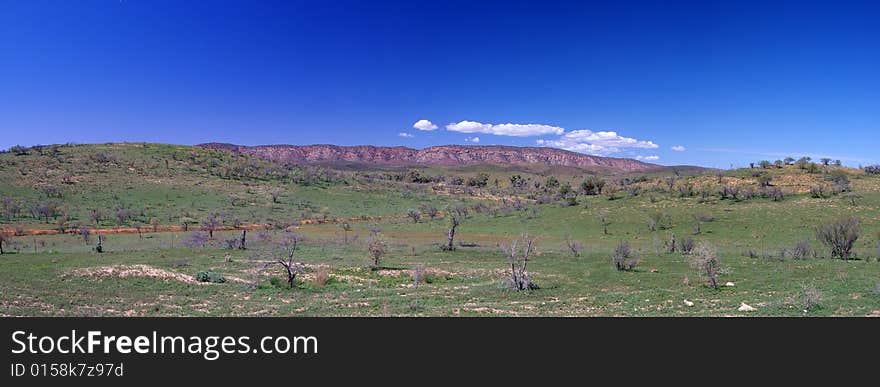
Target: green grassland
point(152, 273)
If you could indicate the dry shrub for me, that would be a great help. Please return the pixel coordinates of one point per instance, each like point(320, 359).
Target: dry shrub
point(811, 298)
point(322, 277)
point(839, 236)
point(802, 250)
point(623, 258)
point(705, 259)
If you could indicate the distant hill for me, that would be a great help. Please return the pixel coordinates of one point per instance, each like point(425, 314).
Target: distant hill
point(445, 155)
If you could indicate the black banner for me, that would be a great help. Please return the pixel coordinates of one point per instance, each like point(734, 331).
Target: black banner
point(332, 350)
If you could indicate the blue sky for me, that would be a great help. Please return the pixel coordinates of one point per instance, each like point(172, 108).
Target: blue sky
point(729, 82)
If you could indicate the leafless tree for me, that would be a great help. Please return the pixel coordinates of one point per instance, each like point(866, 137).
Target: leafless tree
point(574, 246)
point(3, 239)
point(283, 254)
point(705, 259)
point(839, 236)
point(86, 234)
point(210, 224)
point(603, 216)
point(430, 210)
point(518, 253)
point(454, 222)
point(154, 223)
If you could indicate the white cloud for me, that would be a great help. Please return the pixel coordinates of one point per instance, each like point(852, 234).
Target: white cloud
point(424, 125)
point(515, 130)
point(678, 148)
point(648, 158)
point(599, 143)
point(472, 139)
point(405, 135)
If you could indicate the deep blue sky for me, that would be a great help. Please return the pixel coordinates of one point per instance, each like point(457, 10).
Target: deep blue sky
point(731, 82)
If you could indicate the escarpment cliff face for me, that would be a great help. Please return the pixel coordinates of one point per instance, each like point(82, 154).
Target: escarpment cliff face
point(445, 155)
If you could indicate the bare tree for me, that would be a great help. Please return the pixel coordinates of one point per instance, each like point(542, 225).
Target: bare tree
point(3, 239)
point(705, 259)
point(284, 253)
point(454, 221)
point(86, 234)
point(154, 223)
point(211, 224)
point(575, 246)
point(839, 236)
point(518, 253)
point(603, 216)
point(430, 210)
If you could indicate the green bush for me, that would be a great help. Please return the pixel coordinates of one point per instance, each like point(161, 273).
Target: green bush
point(210, 276)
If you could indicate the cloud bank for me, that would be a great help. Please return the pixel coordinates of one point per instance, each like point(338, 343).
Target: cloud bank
point(600, 143)
point(515, 130)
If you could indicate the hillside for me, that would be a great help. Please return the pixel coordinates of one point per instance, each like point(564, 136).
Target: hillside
point(446, 155)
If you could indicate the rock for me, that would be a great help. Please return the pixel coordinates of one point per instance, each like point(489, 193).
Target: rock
point(743, 307)
point(688, 303)
point(730, 284)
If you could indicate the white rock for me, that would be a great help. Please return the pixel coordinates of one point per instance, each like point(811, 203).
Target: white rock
point(743, 307)
point(688, 303)
point(730, 284)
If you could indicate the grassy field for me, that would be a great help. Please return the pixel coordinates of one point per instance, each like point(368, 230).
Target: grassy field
point(153, 273)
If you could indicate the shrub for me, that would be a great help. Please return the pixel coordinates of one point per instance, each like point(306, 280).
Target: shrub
point(811, 297)
point(705, 259)
point(377, 248)
point(622, 258)
point(195, 239)
point(687, 246)
point(322, 278)
point(839, 236)
point(802, 250)
point(210, 276)
point(418, 275)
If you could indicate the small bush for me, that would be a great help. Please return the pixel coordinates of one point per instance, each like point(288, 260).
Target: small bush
point(802, 250)
point(322, 278)
point(811, 298)
point(210, 276)
point(839, 236)
point(622, 257)
point(687, 246)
